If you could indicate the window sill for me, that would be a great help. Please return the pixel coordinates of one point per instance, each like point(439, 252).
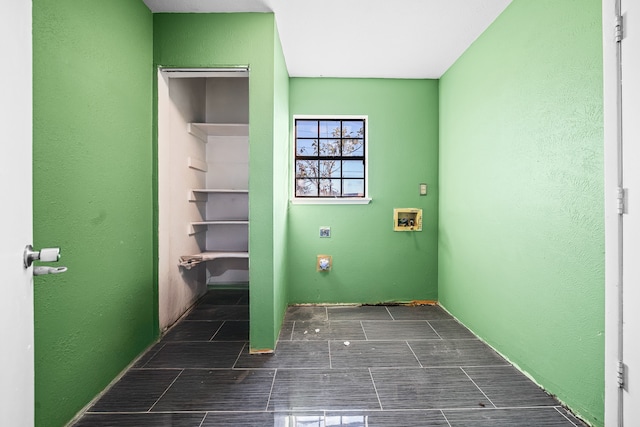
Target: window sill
point(327, 201)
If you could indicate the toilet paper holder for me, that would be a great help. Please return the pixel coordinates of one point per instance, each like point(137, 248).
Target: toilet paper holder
point(44, 255)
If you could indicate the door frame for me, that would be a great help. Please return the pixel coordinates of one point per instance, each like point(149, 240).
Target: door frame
point(613, 394)
point(16, 309)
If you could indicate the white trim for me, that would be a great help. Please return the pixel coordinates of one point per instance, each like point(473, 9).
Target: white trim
point(338, 200)
point(611, 392)
point(330, 201)
point(181, 73)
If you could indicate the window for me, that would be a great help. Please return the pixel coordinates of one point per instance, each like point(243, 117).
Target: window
point(330, 157)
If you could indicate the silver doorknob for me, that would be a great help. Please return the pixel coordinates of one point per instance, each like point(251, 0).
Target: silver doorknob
point(45, 255)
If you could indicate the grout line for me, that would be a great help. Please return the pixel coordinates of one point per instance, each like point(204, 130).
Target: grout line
point(445, 418)
point(203, 418)
point(329, 344)
point(147, 412)
point(481, 391)
point(565, 415)
point(293, 327)
point(363, 331)
point(166, 390)
point(273, 382)
point(391, 315)
point(375, 389)
point(414, 354)
point(217, 330)
point(326, 313)
point(239, 354)
point(433, 329)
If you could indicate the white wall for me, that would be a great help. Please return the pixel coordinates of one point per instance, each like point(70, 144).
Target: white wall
point(180, 101)
point(228, 100)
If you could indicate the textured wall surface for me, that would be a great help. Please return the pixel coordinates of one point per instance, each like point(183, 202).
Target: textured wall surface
point(521, 237)
point(218, 40)
point(371, 262)
point(280, 183)
point(92, 97)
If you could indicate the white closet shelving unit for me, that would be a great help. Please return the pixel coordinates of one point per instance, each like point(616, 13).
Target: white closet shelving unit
point(224, 204)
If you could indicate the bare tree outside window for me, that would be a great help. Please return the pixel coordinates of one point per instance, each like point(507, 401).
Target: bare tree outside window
point(330, 158)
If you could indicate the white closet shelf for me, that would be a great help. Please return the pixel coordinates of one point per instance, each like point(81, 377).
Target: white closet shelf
point(204, 130)
point(197, 227)
point(189, 261)
point(195, 193)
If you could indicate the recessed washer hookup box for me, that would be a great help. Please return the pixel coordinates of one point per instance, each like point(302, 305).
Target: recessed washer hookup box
point(407, 219)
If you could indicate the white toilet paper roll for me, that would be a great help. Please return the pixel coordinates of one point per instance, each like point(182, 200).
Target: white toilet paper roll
point(50, 254)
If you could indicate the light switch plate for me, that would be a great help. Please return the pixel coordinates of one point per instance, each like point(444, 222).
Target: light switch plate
point(423, 189)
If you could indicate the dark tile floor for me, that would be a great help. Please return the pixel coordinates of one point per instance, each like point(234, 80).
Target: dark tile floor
point(333, 366)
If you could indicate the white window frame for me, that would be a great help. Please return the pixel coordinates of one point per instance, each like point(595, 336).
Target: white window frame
point(328, 200)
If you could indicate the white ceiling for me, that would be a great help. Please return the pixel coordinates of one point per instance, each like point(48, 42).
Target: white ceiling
point(364, 38)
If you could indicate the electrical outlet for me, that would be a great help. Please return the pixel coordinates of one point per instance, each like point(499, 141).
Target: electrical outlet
point(325, 231)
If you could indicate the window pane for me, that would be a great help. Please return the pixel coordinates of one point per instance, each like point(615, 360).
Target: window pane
point(306, 187)
point(329, 169)
point(329, 147)
point(353, 188)
point(307, 128)
point(353, 129)
point(353, 147)
point(353, 168)
point(329, 129)
point(306, 147)
point(306, 168)
point(330, 187)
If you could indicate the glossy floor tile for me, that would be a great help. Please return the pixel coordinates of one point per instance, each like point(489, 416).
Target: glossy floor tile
point(336, 330)
point(217, 390)
point(385, 419)
point(193, 331)
point(323, 389)
point(376, 312)
point(137, 390)
point(208, 354)
point(289, 354)
point(366, 354)
point(427, 388)
point(508, 387)
point(179, 419)
point(432, 353)
point(233, 330)
point(420, 312)
point(399, 330)
point(521, 417)
point(368, 366)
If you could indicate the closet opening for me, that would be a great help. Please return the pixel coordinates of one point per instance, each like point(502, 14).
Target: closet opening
point(203, 185)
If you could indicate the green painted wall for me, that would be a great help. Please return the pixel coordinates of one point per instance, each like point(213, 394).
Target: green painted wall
point(218, 40)
point(521, 240)
point(371, 262)
point(280, 181)
point(92, 97)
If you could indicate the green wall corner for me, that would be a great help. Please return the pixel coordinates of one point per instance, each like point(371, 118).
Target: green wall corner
point(92, 92)
point(371, 262)
point(281, 160)
point(521, 233)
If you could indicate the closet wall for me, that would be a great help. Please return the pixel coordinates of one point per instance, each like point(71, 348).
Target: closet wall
point(203, 181)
